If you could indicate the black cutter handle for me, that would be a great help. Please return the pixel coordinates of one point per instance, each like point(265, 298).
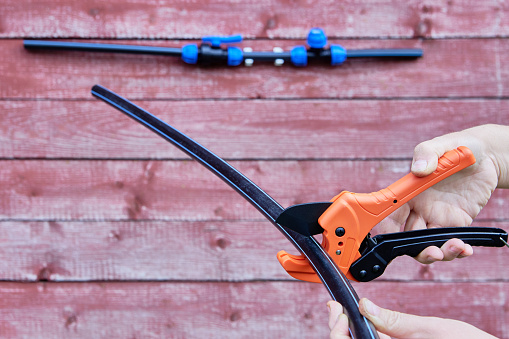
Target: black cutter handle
point(383, 248)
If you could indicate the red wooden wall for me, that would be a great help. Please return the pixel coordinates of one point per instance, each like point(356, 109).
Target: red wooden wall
point(107, 231)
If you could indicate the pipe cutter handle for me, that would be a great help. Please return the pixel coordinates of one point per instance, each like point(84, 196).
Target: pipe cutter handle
point(381, 249)
point(350, 218)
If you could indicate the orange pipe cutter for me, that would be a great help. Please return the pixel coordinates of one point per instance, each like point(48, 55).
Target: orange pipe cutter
point(347, 220)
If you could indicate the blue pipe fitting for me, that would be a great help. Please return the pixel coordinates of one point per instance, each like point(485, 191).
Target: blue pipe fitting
point(299, 56)
point(235, 56)
point(216, 41)
point(190, 54)
point(317, 38)
point(337, 54)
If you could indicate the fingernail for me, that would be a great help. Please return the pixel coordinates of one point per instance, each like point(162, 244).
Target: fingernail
point(419, 166)
point(371, 308)
point(328, 307)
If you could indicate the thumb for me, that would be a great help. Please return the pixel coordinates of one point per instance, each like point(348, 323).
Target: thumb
point(427, 153)
point(395, 324)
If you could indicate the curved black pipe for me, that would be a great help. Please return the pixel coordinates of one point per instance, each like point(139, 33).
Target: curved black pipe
point(333, 279)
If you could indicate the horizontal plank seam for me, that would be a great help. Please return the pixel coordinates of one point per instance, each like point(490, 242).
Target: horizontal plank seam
point(285, 99)
point(132, 221)
point(247, 39)
point(176, 281)
point(2, 220)
point(184, 220)
point(189, 159)
point(300, 99)
point(248, 281)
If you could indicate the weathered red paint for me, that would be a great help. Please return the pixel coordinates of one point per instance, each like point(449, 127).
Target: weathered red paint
point(107, 232)
point(252, 129)
point(61, 251)
point(255, 19)
point(225, 309)
point(451, 68)
point(183, 190)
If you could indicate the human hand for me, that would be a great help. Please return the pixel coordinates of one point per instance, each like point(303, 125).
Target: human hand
point(338, 322)
point(455, 201)
point(400, 325)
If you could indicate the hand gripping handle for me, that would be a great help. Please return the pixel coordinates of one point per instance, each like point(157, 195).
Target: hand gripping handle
point(352, 215)
point(358, 213)
point(381, 249)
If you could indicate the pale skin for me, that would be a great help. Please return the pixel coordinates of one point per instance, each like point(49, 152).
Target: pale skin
point(400, 325)
point(453, 202)
point(457, 200)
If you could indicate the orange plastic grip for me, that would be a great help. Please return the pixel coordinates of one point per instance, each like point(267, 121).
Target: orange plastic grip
point(358, 213)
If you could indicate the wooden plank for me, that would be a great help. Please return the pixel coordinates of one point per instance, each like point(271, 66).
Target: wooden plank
point(165, 251)
point(458, 301)
point(272, 19)
point(154, 251)
point(183, 190)
point(225, 310)
point(173, 251)
point(450, 68)
point(254, 129)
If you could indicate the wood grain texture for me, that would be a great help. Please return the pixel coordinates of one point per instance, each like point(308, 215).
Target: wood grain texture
point(216, 251)
point(452, 68)
point(260, 19)
point(227, 310)
point(183, 190)
point(106, 231)
point(252, 129)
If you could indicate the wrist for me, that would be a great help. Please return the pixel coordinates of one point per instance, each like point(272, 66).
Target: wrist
point(495, 139)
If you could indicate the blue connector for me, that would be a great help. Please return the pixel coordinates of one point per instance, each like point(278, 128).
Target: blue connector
point(216, 41)
point(317, 38)
point(299, 56)
point(190, 54)
point(235, 56)
point(337, 54)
